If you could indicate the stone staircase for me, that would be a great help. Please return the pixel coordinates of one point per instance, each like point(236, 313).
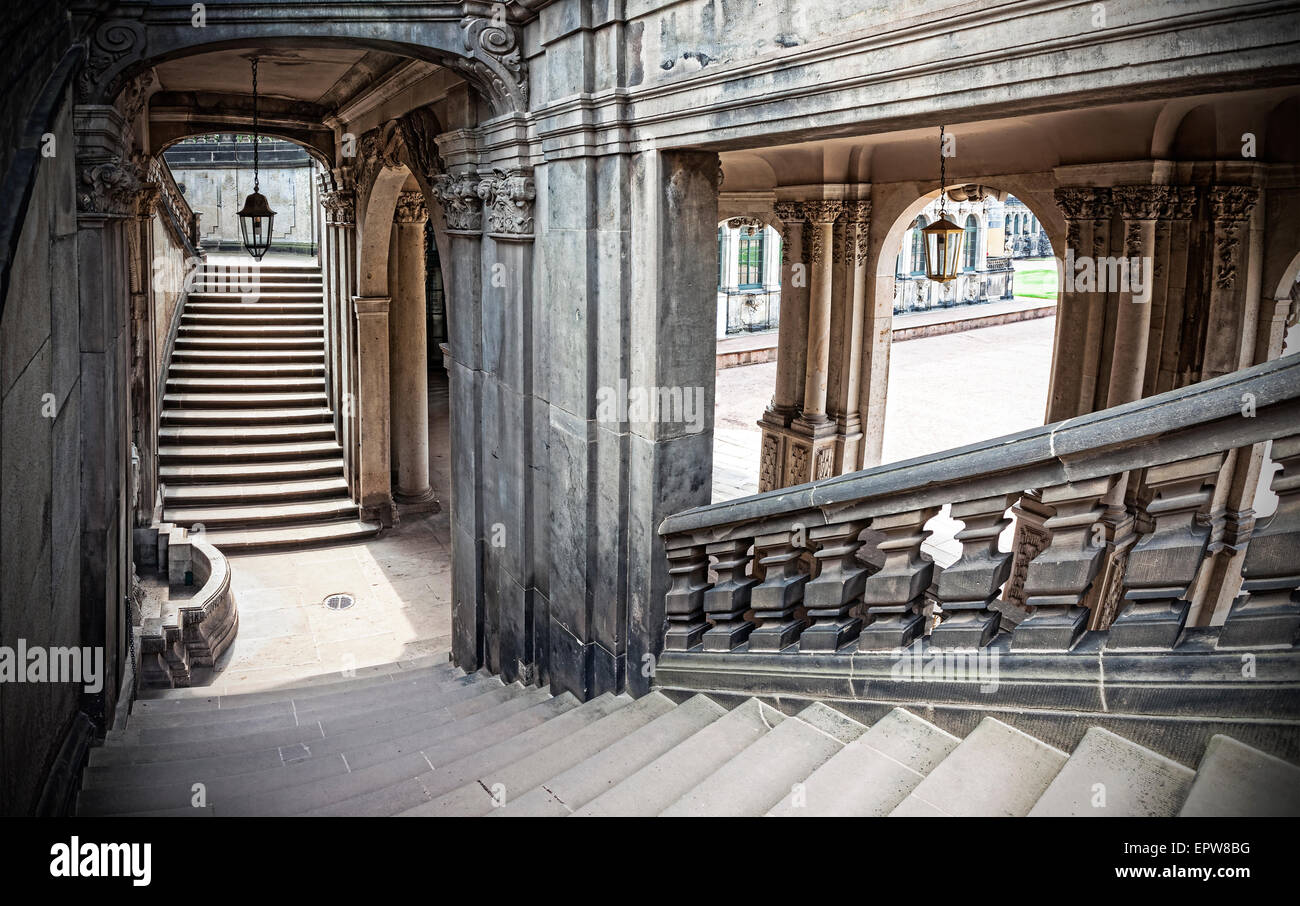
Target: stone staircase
point(423, 738)
point(247, 444)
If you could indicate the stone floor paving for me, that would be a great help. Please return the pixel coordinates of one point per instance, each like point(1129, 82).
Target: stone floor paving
point(401, 581)
point(944, 391)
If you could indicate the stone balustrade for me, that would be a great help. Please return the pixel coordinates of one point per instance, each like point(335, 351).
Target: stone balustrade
point(836, 566)
point(177, 213)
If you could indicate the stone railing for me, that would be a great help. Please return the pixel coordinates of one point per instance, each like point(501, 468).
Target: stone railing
point(917, 293)
point(838, 563)
point(177, 214)
point(822, 590)
point(191, 632)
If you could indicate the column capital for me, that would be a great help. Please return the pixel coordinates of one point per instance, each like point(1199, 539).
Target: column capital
point(1084, 202)
point(460, 202)
point(508, 201)
point(822, 211)
point(410, 208)
point(1142, 202)
point(1233, 204)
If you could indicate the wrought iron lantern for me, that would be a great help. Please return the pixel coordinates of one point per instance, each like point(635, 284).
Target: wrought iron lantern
point(256, 216)
point(942, 238)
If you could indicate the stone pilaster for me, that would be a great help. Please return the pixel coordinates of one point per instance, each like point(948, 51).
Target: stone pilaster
point(408, 358)
point(1081, 313)
point(1232, 207)
point(374, 483)
point(792, 351)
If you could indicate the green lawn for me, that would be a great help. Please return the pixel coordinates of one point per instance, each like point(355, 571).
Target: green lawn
point(1035, 278)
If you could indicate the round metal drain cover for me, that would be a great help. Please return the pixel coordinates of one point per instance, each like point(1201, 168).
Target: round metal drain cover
point(340, 601)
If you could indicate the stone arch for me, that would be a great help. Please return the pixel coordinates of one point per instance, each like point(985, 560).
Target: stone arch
point(322, 156)
point(485, 52)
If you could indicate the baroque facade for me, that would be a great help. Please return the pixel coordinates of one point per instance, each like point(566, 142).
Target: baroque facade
point(570, 164)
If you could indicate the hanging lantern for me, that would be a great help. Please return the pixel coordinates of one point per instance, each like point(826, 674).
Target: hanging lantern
point(256, 216)
point(943, 237)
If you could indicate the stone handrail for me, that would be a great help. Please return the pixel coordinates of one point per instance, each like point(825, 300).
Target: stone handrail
point(789, 563)
point(180, 217)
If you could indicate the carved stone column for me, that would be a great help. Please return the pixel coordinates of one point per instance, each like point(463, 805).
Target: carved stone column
point(967, 588)
point(812, 442)
point(408, 358)
point(791, 351)
point(1140, 206)
point(1163, 564)
point(851, 234)
point(1081, 311)
point(372, 395)
point(1060, 577)
point(1268, 611)
point(775, 598)
point(1232, 206)
point(895, 596)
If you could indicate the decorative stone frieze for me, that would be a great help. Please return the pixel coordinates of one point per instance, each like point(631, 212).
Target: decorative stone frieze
point(857, 214)
point(508, 201)
point(460, 202)
point(1079, 204)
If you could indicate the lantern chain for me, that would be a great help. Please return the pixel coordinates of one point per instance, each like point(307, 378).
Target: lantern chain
point(943, 172)
point(256, 184)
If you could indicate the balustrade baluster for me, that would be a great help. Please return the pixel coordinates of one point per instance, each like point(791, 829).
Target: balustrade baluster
point(1163, 564)
point(1060, 576)
point(837, 588)
point(967, 588)
point(894, 596)
point(1268, 613)
point(726, 602)
point(688, 567)
point(781, 591)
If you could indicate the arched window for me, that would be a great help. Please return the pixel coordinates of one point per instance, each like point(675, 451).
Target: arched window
point(918, 244)
point(970, 242)
point(750, 274)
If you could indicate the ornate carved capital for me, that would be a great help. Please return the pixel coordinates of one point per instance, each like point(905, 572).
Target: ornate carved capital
point(858, 214)
point(1142, 202)
point(1181, 203)
point(460, 202)
point(752, 224)
point(410, 208)
point(508, 199)
point(1084, 202)
point(1233, 204)
point(113, 188)
point(822, 211)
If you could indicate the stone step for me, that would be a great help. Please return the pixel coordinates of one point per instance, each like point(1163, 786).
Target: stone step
point(1237, 780)
point(259, 416)
point(260, 514)
point(194, 453)
point(250, 330)
point(1108, 776)
point(342, 693)
point(233, 306)
point(236, 472)
point(995, 771)
point(236, 434)
point(389, 718)
point(571, 789)
point(363, 708)
point(230, 541)
point(186, 371)
point(198, 319)
point(873, 773)
point(288, 282)
point(395, 770)
point(255, 492)
point(757, 778)
point(486, 792)
point(249, 343)
point(251, 776)
point(263, 294)
point(188, 699)
point(443, 775)
point(667, 778)
point(256, 397)
point(249, 356)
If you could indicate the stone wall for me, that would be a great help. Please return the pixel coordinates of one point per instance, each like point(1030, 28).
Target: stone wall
point(41, 397)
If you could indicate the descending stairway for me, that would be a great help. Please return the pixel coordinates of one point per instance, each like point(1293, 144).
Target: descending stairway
point(423, 738)
point(247, 445)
